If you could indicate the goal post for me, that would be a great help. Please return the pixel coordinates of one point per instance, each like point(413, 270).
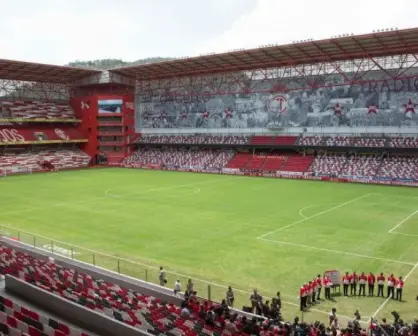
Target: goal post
point(16, 169)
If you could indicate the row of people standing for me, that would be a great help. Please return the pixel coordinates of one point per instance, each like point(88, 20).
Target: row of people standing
point(310, 292)
point(353, 281)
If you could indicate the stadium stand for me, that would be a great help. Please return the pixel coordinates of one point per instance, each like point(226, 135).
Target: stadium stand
point(310, 141)
point(35, 110)
point(400, 167)
point(16, 319)
point(361, 166)
point(239, 161)
point(35, 161)
point(297, 163)
point(327, 164)
point(179, 157)
point(195, 139)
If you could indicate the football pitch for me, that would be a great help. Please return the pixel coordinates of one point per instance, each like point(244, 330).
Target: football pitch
point(269, 234)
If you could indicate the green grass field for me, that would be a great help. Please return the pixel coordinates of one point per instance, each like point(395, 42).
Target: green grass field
point(269, 234)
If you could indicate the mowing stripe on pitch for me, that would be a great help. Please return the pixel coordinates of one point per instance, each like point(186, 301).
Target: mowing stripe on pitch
point(313, 216)
point(337, 251)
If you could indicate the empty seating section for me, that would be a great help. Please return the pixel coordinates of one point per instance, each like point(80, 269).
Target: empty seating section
point(361, 166)
point(284, 140)
point(128, 306)
point(18, 320)
point(255, 163)
point(261, 140)
point(310, 141)
point(35, 109)
point(273, 140)
point(297, 163)
point(179, 157)
point(273, 163)
point(60, 159)
point(195, 139)
point(324, 164)
point(399, 168)
point(239, 161)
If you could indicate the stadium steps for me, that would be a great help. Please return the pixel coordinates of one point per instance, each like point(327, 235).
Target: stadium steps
point(239, 161)
point(256, 162)
point(297, 163)
point(274, 163)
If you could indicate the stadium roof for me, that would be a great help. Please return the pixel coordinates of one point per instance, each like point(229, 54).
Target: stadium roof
point(25, 71)
point(386, 43)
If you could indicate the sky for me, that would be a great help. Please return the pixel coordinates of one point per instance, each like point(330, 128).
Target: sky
point(61, 31)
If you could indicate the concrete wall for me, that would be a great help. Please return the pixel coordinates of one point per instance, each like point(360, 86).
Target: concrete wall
point(70, 311)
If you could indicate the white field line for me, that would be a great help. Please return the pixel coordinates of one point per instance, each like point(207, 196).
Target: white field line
point(388, 299)
point(401, 222)
point(312, 206)
point(106, 197)
point(405, 234)
point(337, 251)
point(313, 216)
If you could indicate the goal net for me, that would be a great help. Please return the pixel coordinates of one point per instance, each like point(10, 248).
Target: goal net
point(11, 170)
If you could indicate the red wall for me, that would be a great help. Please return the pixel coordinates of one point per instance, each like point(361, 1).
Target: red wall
point(86, 109)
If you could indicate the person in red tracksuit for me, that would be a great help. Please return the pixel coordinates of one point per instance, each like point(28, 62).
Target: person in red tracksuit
point(353, 284)
point(391, 286)
point(371, 279)
point(346, 283)
point(319, 286)
point(380, 284)
point(302, 296)
point(399, 287)
point(362, 279)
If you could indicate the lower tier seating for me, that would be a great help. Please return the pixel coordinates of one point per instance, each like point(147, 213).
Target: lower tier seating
point(180, 157)
point(297, 163)
point(195, 139)
point(16, 320)
point(59, 159)
point(125, 305)
point(395, 167)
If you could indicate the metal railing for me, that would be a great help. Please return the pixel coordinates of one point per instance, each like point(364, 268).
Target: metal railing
point(146, 270)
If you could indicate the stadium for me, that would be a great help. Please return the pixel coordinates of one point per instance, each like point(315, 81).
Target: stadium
point(258, 170)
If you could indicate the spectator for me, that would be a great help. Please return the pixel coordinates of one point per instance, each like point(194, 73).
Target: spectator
point(177, 287)
point(185, 312)
point(230, 297)
point(231, 327)
point(161, 277)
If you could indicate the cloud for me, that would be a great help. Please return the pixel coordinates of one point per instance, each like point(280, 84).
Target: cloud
point(273, 21)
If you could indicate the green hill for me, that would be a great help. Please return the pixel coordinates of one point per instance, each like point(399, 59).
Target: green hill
point(104, 64)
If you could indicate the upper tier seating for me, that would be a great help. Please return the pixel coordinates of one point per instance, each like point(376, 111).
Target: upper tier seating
point(195, 139)
point(310, 141)
point(138, 310)
point(297, 163)
point(273, 140)
point(18, 320)
point(399, 168)
point(36, 109)
point(403, 142)
point(179, 157)
point(60, 159)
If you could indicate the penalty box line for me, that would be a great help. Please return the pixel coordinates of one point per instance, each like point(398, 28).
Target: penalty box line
point(392, 230)
point(313, 216)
